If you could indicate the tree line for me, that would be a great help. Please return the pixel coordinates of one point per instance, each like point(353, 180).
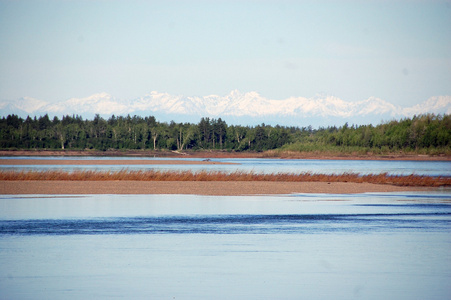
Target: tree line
point(424, 133)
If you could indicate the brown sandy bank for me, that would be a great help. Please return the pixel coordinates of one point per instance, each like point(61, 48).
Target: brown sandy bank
point(27, 162)
point(218, 188)
point(227, 154)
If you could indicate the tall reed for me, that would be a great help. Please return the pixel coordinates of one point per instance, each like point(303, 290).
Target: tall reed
point(154, 175)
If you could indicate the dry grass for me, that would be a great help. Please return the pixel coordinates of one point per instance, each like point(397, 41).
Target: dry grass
point(152, 175)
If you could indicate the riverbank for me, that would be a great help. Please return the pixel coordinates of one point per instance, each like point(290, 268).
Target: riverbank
point(90, 162)
point(226, 154)
point(214, 188)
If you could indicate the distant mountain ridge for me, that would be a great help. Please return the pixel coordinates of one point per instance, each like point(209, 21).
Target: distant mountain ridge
point(243, 108)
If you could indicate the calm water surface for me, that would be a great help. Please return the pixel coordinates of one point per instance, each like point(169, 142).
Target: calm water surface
point(299, 246)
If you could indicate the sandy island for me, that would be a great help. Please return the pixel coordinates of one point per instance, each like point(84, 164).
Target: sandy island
point(177, 187)
point(218, 188)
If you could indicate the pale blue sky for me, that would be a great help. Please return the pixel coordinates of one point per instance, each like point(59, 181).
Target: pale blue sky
point(399, 51)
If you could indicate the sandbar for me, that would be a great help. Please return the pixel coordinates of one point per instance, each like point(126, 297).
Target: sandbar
point(224, 154)
point(88, 162)
point(214, 188)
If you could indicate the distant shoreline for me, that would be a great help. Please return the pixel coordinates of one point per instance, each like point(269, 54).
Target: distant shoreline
point(223, 154)
point(90, 162)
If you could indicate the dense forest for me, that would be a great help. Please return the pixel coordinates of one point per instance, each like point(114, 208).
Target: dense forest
point(429, 134)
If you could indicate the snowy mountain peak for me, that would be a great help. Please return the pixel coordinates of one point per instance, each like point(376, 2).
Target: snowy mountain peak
point(434, 104)
point(242, 107)
point(29, 104)
point(93, 98)
point(235, 94)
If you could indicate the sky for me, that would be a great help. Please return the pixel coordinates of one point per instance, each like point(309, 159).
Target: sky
point(399, 51)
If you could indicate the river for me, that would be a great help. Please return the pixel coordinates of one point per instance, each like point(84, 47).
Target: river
point(296, 246)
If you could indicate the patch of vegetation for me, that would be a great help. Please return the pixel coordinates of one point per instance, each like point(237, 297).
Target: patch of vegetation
point(153, 175)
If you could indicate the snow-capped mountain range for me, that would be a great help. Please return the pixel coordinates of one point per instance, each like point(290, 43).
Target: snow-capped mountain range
point(239, 108)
